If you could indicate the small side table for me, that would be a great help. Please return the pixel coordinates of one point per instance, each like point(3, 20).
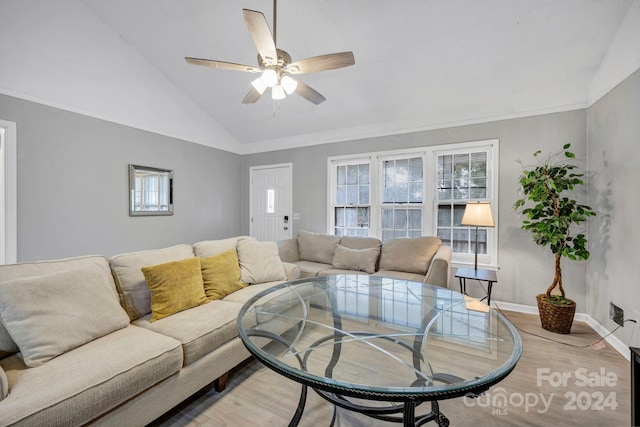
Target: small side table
point(488, 276)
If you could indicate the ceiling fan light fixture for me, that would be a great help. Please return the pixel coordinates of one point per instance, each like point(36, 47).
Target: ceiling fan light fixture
point(277, 92)
point(270, 77)
point(259, 85)
point(288, 84)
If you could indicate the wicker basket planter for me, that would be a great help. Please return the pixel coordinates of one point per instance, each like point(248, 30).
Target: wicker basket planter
point(556, 318)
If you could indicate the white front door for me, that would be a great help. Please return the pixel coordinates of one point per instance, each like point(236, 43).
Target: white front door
point(270, 202)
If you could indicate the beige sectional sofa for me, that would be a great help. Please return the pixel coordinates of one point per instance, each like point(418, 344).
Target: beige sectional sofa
point(77, 344)
point(422, 259)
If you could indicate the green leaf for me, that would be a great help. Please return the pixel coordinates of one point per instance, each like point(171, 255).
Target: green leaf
point(565, 146)
point(569, 154)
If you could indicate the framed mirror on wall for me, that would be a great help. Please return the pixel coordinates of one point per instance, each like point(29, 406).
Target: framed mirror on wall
point(150, 191)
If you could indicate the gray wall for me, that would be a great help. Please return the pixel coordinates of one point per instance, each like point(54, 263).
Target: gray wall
point(525, 269)
point(614, 155)
point(73, 185)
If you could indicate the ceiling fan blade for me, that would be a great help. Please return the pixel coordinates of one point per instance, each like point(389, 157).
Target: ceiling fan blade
point(330, 61)
point(220, 65)
point(261, 35)
point(252, 97)
point(310, 94)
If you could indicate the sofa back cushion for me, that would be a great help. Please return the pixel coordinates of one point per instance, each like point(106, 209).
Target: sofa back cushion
point(259, 262)
point(29, 269)
point(127, 271)
point(412, 255)
point(208, 248)
point(317, 247)
point(51, 314)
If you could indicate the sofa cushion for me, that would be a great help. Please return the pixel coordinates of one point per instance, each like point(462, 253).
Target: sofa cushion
point(134, 293)
point(201, 329)
point(317, 247)
point(51, 314)
point(88, 381)
point(208, 248)
point(221, 274)
point(245, 294)
point(4, 384)
point(356, 259)
point(411, 255)
point(28, 269)
point(174, 286)
point(259, 262)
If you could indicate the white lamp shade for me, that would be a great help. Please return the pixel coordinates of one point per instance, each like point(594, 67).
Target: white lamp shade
point(478, 214)
point(259, 85)
point(288, 84)
point(277, 92)
point(270, 77)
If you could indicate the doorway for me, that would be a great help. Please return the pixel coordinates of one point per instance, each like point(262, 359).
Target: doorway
point(270, 202)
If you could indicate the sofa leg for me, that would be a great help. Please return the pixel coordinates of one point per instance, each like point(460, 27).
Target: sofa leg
point(220, 383)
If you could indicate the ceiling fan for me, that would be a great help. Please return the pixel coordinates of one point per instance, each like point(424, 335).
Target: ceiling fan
point(275, 64)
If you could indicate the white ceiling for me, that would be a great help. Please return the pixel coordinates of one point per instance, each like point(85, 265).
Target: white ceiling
point(419, 63)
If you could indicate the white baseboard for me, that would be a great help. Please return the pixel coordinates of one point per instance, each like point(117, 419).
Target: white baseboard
point(614, 341)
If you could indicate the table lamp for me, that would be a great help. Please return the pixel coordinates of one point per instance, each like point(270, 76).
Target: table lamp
point(477, 214)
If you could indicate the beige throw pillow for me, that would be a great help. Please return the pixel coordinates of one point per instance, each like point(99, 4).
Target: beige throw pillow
point(260, 262)
point(51, 314)
point(356, 259)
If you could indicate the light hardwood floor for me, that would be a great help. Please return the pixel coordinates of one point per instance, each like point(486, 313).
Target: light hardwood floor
point(257, 396)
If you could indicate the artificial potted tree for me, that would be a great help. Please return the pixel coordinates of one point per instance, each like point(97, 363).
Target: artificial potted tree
point(552, 218)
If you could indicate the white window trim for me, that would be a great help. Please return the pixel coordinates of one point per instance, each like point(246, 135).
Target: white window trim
point(429, 154)
point(9, 183)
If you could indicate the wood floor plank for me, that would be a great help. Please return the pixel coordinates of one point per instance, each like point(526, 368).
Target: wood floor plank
point(257, 396)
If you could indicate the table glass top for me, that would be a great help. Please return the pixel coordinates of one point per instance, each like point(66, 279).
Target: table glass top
point(379, 335)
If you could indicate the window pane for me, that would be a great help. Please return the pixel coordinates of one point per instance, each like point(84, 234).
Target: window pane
point(342, 175)
point(400, 219)
point(352, 174)
point(363, 217)
point(415, 219)
point(415, 169)
point(460, 240)
point(387, 218)
point(363, 173)
point(444, 215)
point(352, 214)
point(461, 166)
point(478, 188)
point(478, 164)
point(364, 194)
point(445, 166)
point(445, 191)
point(402, 170)
point(341, 195)
point(458, 213)
point(401, 192)
point(415, 192)
point(352, 194)
point(339, 217)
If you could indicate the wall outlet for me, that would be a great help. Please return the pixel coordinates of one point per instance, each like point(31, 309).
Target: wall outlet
point(616, 314)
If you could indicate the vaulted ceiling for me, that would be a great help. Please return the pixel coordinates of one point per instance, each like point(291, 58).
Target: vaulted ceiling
point(419, 63)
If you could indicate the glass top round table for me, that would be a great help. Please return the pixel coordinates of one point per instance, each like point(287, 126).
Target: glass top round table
point(359, 338)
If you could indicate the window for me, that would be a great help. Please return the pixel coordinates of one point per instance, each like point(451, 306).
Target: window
point(402, 191)
point(352, 201)
point(462, 176)
point(418, 192)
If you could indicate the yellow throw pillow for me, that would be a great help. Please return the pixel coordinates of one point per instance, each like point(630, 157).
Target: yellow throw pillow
point(174, 286)
point(221, 274)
